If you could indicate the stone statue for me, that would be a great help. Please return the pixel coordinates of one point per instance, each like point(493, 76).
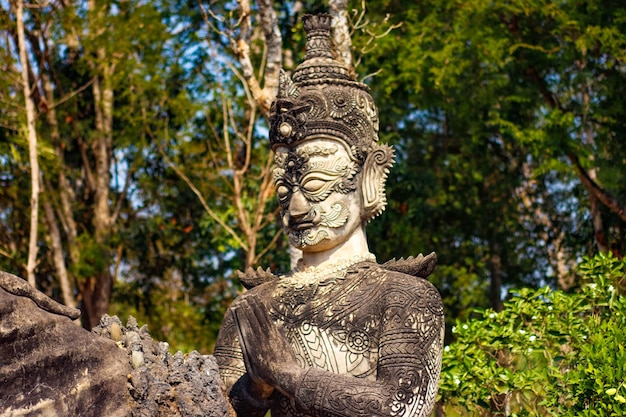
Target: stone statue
point(340, 335)
point(51, 367)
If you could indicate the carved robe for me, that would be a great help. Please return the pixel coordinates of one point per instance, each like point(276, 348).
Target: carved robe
point(369, 337)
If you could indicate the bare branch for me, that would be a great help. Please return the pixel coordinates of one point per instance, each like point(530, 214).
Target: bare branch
point(37, 6)
point(72, 94)
point(359, 22)
point(203, 201)
point(211, 126)
point(248, 139)
point(122, 197)
point(269, 246)
point(243, 82)
point(5, 254)
point(226, 133)
point(266, 191)
point(241, 47)
point(89, 175)
point(598, 192)
point(372, 74)
point(242, 214)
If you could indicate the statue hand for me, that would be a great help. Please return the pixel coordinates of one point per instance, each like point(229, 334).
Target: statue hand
point(269, 358)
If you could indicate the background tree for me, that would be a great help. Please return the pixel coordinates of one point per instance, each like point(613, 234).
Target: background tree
point(548, 353)
point(81, 56)
point(155, 171)
point(510, 145)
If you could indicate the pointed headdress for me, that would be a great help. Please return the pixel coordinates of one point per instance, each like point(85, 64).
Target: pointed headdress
point(322, 99)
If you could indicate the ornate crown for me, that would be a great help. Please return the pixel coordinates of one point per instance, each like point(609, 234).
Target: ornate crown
point(323, 99)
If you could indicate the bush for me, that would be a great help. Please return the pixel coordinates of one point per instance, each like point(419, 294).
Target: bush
point(547, 353)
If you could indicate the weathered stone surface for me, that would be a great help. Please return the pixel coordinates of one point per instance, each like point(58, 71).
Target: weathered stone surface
point(49, 366)
point(162, 384)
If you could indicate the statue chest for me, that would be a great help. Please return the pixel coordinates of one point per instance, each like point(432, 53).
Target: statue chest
point(332, 324)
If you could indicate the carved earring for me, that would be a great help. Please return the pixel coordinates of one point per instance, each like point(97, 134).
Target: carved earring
point(375, 171)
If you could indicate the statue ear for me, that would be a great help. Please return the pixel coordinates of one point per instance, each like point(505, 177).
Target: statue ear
point(373, 177)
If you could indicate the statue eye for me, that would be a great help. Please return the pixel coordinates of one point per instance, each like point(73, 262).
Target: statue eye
point(313, 185)
point(283, 192)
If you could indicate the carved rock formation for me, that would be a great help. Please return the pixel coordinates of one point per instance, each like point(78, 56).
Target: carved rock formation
point(50, 366)
point(162, 384)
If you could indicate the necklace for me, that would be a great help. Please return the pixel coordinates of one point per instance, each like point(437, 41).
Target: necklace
point(337, 269)
point(303, 284)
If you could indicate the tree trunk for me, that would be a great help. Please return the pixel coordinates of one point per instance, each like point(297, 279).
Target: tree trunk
point(58, 256)
point(341, 33)
point(565, 276)
point(96, 290)
point(552, 234)
point(64, 191)
point(32, 146)
point(65, 214)
point(596, 216)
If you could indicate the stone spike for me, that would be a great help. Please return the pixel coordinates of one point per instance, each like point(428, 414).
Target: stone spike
point(252, 278)
point(419, 266)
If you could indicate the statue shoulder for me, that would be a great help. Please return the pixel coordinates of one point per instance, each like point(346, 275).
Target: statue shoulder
point(411, 289)
point(260, 283)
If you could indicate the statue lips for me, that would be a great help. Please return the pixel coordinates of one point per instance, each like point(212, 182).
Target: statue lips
point(300, 223)
point(299, 226)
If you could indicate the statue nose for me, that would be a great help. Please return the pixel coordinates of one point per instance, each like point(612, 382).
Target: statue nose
point(298, 206)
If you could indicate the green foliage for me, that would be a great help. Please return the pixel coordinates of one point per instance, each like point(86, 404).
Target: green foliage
point(187, 319)
point(93, 258)
point(486, 102)
point(547, 353)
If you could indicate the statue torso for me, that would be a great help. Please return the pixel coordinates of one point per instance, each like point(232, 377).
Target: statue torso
point(334, 323)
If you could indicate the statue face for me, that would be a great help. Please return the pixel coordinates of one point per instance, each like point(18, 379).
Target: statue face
point(316, 185)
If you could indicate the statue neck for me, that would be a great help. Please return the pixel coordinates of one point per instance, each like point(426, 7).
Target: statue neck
point(354, 246)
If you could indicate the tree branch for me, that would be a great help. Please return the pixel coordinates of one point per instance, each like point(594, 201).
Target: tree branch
point(5, 254)
point(72, 94)
point(197, 192)
point(598, 192)
point(122, 197)
point(268, 247)
point(203, 201)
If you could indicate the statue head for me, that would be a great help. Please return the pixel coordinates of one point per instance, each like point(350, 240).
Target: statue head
point(330, 169)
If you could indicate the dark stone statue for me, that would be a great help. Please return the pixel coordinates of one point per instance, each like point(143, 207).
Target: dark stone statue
point(50, 366)
point(340, 335)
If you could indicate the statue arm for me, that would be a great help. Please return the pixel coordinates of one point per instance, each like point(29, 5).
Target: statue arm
point(244, 398)
point(409, 363)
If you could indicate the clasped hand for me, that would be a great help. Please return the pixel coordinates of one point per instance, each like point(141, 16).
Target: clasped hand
point(269, 358)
